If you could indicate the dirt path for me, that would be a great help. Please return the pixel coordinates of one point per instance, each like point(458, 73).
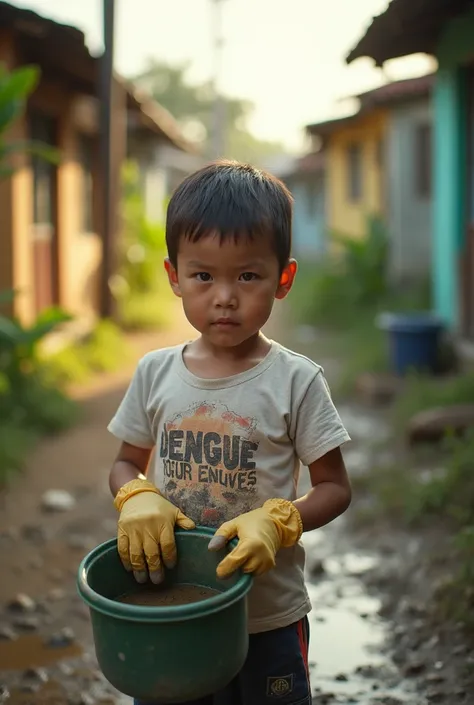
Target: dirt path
point(46, 653)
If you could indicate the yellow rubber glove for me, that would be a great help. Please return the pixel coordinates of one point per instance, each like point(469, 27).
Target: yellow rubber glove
point(261, 533)
point(146, 530)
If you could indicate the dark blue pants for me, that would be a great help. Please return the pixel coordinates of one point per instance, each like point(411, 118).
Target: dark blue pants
point(276, 671)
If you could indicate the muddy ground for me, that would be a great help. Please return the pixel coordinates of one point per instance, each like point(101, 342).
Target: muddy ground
point(374, 639)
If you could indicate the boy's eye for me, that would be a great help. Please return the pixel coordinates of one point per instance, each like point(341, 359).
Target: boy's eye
point(203, 276)
point(248, 276)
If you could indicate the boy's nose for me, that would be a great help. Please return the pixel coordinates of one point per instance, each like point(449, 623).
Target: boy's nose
point(226, 296)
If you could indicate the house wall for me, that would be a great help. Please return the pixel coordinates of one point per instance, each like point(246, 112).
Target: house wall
point(346, 216)
point(450, 146)
point(78, 253)
point(309, 222)
point(409, 214)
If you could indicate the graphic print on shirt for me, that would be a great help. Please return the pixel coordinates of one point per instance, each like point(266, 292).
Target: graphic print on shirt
point(208, 454)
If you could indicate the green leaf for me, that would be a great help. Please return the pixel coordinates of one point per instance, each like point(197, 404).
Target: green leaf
point(18, 84)
point(9, 112)
point(35, 148)
point(10, 332)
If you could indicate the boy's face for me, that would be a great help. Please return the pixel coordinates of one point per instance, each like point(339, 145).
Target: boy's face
point(228, 288)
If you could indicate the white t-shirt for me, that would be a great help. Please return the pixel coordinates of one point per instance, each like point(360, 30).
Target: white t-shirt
point(225, 446)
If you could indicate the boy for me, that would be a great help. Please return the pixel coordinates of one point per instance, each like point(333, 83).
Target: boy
point(231, 415)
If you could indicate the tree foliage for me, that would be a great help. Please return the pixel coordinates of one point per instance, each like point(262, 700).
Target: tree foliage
point(192, 105)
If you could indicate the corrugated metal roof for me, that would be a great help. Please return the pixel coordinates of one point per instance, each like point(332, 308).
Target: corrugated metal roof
point(65, 46)
point(407, 27)
point(388, 94)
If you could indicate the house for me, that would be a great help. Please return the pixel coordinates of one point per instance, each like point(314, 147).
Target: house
point(444, 30)
point(378, 163)
point(304, 176)
point(51, 215)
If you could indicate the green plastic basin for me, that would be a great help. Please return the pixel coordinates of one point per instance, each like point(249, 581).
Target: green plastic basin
point(168, 653)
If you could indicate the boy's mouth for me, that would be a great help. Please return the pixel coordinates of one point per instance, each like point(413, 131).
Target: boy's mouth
point(224, 322)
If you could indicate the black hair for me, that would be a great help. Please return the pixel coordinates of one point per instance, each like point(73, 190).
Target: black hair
point(232, 200)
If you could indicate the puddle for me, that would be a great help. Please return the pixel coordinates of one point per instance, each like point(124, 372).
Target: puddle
point(346, 651)
point(31, 652)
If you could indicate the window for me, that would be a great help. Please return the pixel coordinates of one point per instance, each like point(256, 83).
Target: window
point(422, 155)
point(86, 161)
point(354, 172)
point(43, 129)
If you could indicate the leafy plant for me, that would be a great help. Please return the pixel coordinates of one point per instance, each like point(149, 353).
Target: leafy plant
point(15, 87)
point(29, 406)
point(140, 287)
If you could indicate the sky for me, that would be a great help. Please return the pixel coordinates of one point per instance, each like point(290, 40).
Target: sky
point(287, 57)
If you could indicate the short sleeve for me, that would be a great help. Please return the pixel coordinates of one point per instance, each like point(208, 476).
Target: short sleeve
point(131, 423)
point(318, 428)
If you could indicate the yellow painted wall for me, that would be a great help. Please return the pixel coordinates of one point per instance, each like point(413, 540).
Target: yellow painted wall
point(346, 216)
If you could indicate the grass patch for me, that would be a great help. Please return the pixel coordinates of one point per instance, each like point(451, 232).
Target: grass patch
point(103, 350)
point(347, 325)
point(403, 494)
point(421, 393)
point(147, 310)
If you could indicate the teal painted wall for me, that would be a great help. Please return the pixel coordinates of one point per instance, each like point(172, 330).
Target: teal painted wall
point(455, 49)
point(449, 184)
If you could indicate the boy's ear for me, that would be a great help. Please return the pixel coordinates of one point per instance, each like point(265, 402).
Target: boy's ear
point(172, 277)
point(286, 279)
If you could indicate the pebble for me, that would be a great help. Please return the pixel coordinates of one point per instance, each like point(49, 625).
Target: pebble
point(7, 634)
point(36, 674)
point(316, 567)
point(414, 668)
point(22, 603)
point(57, 501)
point(63, 638)
point(29, 624)
point(84, 699)
point(56, 594)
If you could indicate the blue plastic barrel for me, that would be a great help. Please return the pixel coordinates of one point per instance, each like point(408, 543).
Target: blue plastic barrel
point(414, 341)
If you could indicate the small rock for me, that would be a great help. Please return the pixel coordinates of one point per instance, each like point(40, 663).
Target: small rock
point(64, 638)
point(433, 424)
point(36, 674)
point(56, 594)
point(27, 624)
point(57, 501)
point(316, 568)
point(414, 668)
point(434, 678)
point(435, 696)
point(341, 678)
point(7, 634)
point(66, 669)
point(22, 603)
point(85, 699)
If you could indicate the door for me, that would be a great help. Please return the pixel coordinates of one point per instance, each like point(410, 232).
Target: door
point(44, 229)
point(467, 254)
